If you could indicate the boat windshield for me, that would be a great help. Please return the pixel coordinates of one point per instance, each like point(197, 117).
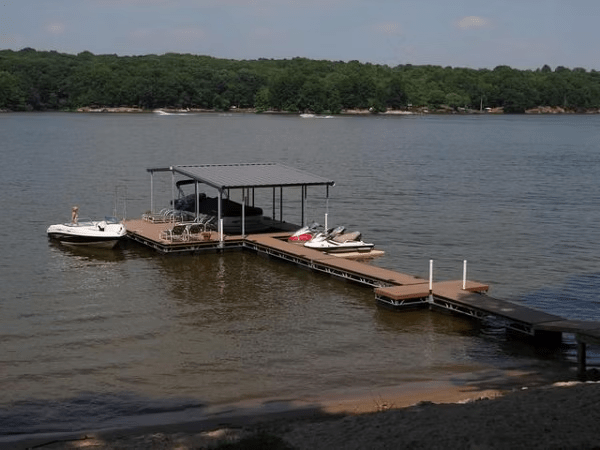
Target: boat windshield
point(84, 222)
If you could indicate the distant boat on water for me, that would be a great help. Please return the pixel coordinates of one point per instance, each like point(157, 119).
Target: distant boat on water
point(315, 116)
point(175, 112)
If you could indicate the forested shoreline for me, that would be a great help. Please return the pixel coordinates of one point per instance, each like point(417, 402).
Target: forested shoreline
point(33, 80)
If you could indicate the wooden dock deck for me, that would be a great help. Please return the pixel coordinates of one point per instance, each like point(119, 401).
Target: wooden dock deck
point(392, 289)
point(149, 234)
point(470, 301)
point(366, 274)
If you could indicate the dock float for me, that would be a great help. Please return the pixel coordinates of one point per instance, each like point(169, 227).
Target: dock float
point(392, 289)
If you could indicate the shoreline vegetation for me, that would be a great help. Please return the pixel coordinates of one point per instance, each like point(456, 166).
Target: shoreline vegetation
point(32, 80)
point(349, 112)
point(547, 110)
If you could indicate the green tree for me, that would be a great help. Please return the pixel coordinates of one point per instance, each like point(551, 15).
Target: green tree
point(11, 94)
point(436, 97)
point(455, 100)
point(263, 100)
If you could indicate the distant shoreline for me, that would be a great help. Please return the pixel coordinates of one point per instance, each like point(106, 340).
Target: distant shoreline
point(350, 112)
point(443, 110)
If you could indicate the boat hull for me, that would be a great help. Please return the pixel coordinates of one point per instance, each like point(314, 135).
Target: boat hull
point(78, 240)
point(335, 247)
point(92, 234)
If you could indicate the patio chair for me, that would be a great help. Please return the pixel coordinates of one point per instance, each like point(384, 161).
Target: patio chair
point(194, 230)
point(210, 224)
point(178, 232)
point(159, 217)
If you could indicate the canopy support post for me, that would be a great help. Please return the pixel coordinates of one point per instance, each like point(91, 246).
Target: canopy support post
point(280, 204)
point(243, 212)
point(219, 220)
point(196, 200)
point(303, 198)
point(326, 208)
point(151, 192)
point(173, 191)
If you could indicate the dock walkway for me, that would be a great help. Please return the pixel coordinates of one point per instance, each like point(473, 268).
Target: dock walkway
point(392, 289)
point(273, 245)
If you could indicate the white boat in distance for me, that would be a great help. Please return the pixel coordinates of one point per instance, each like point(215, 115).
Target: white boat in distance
point(86, 232)
point(314, 116)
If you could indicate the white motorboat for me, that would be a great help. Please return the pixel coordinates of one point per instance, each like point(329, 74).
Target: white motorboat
point(337, 240)
point(104, 233)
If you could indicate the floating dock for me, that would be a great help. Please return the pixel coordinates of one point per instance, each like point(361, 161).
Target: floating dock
point(392, 289)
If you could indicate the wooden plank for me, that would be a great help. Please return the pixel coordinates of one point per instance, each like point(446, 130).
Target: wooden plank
point(278, 244)
point(453, 288)
point(406, 292)
point(359, 255)
point(355, 267)
point(379, 273)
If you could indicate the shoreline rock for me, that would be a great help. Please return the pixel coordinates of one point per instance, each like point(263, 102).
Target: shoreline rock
point(561, 415)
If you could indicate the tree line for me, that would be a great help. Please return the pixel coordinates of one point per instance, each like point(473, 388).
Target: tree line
point(33, 80)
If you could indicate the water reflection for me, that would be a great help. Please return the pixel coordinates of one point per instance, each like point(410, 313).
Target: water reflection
point(88, 253)
point(514, 196)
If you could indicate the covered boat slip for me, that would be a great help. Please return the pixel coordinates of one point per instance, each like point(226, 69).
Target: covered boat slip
point(246, 179)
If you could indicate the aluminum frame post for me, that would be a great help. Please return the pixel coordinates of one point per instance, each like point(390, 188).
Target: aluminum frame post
point(243, 212)
point(173, 192)
point(431, 280)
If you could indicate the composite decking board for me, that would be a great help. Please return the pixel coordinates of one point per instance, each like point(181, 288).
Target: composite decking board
point(448, 289)
point(151, 231)
point(359, 256)
point(277, 244)
point(405, 292)
point(318, 257)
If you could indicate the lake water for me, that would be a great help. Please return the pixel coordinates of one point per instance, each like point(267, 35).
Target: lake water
point(90, 337)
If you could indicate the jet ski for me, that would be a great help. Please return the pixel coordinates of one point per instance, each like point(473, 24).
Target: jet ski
point(338, 240)
point(305, 233)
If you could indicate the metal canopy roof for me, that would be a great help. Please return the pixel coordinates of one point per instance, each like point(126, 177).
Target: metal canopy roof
point(234, 176)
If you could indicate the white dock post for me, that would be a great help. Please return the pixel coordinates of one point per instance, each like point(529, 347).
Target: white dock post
point(430, 277)
point(326, 214)
point(221, 230)
point(464, 274)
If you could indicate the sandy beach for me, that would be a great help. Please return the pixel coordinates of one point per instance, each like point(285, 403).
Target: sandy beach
point(494, 412)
